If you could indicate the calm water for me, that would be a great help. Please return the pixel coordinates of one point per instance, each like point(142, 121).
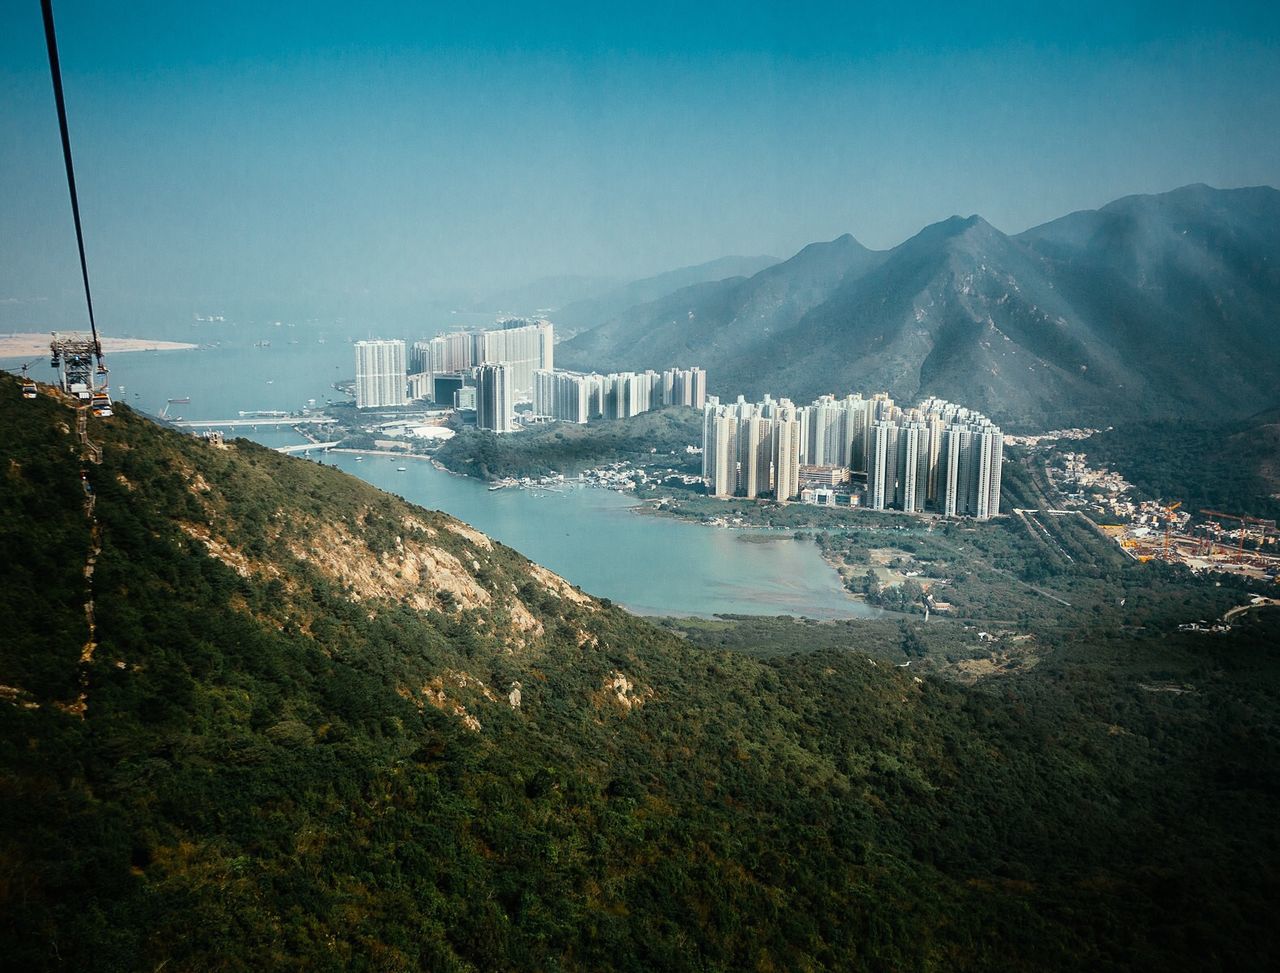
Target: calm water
point(652, 565)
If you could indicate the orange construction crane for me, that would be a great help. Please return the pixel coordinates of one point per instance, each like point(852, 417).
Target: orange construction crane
point(1244, 521)
point(1168, 520)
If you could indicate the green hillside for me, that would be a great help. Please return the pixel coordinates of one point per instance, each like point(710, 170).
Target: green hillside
point(289, 743)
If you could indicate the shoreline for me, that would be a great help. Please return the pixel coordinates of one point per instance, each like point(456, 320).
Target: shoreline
point(20, 344)
point(647, 507)
point(378, 452)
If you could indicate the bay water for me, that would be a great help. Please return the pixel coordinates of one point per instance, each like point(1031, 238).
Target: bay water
point(593, 537)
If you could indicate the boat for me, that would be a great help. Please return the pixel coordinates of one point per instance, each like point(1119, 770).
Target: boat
point(359, 459)
point(401, 469)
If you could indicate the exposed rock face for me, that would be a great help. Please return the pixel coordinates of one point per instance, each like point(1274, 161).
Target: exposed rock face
point(416, 572)
point(625, 693)
point(223, 551)
point(559, 587)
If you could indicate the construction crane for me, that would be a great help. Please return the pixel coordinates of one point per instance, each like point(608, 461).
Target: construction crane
point(1244, 521)
point(1212, 514)
point(1168, 521)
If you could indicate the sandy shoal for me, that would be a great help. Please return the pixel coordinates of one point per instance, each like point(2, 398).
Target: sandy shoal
point(37, 345)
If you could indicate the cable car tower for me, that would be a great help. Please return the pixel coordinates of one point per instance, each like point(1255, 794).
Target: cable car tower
point(29, 389)
point(73, 354)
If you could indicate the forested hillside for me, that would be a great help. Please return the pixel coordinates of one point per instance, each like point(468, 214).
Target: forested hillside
point(314, 727)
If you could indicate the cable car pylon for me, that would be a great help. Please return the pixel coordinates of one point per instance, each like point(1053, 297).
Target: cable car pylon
point(98, 396)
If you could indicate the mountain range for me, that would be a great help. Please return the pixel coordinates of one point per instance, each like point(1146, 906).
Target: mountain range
point(577, 301)
point(1160, 305)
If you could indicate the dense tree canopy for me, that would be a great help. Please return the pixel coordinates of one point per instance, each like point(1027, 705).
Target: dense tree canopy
point(298, 750)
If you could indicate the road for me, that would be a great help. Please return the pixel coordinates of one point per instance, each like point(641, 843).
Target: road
point(253, 423)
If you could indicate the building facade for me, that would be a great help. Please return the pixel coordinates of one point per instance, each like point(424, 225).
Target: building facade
point(524, 346)
point(495, 399)
point(937, 457)
point(381, 376)
point(751, 449)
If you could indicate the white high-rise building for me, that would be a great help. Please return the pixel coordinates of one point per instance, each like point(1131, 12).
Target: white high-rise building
point(444, 354)
point(524, 346)
point(684, 386)
point(882, 465)
point(381, 377)
point(720, 453)
point(563, 396)
point(905, 493)
point(786, 456)
point(495, 401)
point(755, 455)
point(988, 458)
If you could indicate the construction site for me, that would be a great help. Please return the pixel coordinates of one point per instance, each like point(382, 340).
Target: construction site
point(1204, 540)
point(1211, 540)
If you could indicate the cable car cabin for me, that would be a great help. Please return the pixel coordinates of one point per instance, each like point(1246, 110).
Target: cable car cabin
point(100, 405)
point(29, 390)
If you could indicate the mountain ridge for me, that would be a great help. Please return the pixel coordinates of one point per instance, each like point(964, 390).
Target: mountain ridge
point(586, 313)
point(1090, 316)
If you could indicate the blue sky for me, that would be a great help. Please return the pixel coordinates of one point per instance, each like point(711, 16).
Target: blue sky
point(378, 157)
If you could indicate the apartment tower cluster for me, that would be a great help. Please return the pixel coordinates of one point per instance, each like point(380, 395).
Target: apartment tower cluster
point(575, 397)
point(458, 370)
point(937, 456)
point(523, 346)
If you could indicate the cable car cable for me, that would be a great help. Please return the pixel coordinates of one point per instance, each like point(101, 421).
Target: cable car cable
point(54, 68)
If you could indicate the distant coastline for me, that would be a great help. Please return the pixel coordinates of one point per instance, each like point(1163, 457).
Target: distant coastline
point(27, 345)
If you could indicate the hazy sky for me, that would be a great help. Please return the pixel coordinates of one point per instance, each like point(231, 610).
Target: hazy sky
point(374, 156)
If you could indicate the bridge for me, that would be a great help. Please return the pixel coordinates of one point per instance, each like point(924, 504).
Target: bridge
point(254, 423)
point(306, 447)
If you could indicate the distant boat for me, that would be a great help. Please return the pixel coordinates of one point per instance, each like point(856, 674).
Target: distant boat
point(185, 400)
point(401, 469)
point(359, 459)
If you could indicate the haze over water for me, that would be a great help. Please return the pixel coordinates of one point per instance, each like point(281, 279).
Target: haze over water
point(590, 536)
